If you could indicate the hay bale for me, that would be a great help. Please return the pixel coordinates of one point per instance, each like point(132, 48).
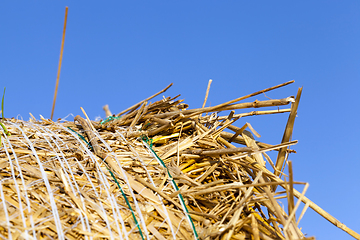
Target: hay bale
point(156, 170)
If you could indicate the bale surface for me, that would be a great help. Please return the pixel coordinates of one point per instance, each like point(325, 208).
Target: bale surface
point(156, 171)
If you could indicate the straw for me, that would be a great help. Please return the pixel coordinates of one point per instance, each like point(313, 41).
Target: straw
point(206, 94)
point(60, 61)
point(288, 132)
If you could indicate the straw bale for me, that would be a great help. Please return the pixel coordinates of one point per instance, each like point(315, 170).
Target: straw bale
point(155, 171)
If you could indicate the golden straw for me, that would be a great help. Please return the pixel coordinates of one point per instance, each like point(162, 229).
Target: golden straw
point(60, 60)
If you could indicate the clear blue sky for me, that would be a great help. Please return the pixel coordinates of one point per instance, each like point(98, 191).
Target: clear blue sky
point(120, 52)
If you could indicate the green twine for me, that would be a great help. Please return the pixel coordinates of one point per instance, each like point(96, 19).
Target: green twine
point(117, 183)
point(145, 126)
point(88, 144)
point(126, 200)
point(147, 140)
point(108, 119)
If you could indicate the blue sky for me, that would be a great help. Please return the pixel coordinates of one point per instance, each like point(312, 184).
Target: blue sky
point(120, 52)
